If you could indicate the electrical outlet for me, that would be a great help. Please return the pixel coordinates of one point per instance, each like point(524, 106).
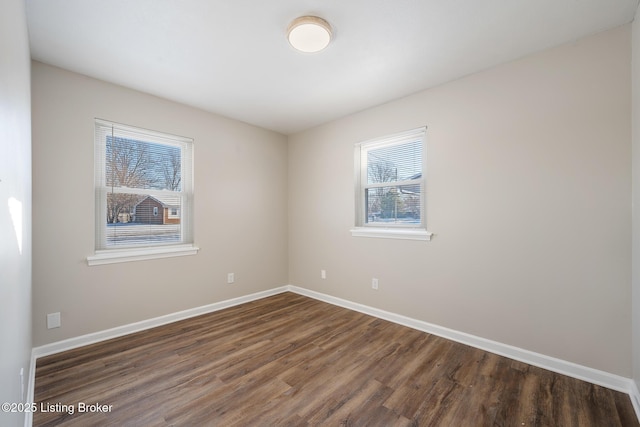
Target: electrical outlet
point(231, 278)
point(374, 283)
point(323, 274)
point(53, 320)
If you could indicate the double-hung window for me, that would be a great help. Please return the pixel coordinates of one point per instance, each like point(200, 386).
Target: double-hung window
point(390, 186)
point(143, 194)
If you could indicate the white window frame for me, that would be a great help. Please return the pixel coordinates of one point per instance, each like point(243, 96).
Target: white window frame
point(107, 255)
point(385, 230)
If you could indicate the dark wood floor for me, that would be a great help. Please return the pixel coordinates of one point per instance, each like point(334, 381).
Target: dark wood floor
point(289, 360)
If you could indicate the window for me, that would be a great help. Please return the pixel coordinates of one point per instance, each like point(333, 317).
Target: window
point(390, 187)
point(144, 194)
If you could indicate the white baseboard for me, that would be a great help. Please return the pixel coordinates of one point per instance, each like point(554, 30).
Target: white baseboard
point(605, 379)
point(119, 331)
point(560, 366)
point(28, 416)
point(71, 343)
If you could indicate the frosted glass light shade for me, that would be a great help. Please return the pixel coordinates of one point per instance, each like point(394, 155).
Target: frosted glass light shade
point(309, 34)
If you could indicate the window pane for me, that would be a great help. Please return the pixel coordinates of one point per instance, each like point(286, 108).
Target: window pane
point(138, 164)
point(134, 219)
point(144, 187)
point(395, 162)
point(393, 205)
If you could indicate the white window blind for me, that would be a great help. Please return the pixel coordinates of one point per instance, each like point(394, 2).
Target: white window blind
point(390, 181)
point(143, 188)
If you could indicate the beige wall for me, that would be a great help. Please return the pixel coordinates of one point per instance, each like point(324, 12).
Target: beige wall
point(15, 207)
point(635, 77)
point(529, 189)
point(240, 209)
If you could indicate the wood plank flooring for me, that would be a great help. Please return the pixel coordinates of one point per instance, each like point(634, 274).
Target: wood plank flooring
point(289, 360)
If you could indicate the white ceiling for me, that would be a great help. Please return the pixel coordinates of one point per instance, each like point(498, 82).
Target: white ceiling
point(231, 57)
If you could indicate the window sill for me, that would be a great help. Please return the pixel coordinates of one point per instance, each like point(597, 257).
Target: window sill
point(113, 256)
point(392, 233)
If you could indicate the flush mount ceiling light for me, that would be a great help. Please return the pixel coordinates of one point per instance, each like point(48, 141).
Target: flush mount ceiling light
point(309, 34)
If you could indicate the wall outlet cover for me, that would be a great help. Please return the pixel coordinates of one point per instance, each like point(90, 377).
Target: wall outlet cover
point(53, 320)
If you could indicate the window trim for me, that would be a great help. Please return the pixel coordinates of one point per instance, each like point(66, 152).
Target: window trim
point(102, 254)
point(392, 233)
point(112, 256)
point(384, 230)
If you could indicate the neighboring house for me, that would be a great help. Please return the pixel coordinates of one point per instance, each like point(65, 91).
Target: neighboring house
point(411, 188)
point(157, 210)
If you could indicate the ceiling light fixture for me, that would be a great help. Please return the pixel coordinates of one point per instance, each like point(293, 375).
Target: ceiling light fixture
point(309, 34)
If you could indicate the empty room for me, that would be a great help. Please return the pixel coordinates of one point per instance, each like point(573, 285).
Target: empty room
point(319, 213)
